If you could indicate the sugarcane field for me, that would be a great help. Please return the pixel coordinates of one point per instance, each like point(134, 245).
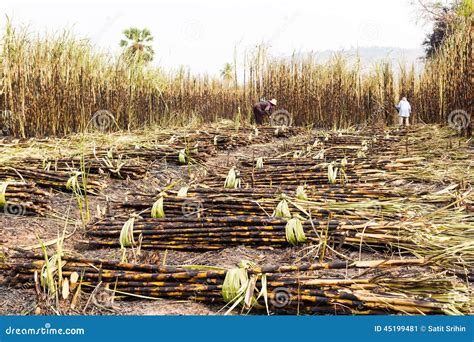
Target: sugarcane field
point(279, 185)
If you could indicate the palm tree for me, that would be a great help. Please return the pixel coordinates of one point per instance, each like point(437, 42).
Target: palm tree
point(227, 72)
point(137, 44)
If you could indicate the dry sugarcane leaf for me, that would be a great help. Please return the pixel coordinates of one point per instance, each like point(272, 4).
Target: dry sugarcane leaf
point(249, 293)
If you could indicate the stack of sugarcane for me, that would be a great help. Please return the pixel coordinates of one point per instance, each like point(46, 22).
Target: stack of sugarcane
point(359, 165)
point(451, 243)
point(171, 153)
point(115, 167)
point(125, 162)
point(330, 146)
point(198, 144)
point(284, 172)
point(23, 198)
point(60, 180)
point(351, 202)
point(287, 175)
point(370, 162)
point(443, 157)
point(306, 288)
point(231, 138)
point(184, 233)
point(198, 205)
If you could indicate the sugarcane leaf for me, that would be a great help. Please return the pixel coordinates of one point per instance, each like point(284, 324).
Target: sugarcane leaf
point(249, 293)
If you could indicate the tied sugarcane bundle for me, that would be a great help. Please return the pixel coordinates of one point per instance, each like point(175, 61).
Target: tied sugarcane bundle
point(154, 153)
point(281, 176)
point(204, 233)
point(59, 180)
point(127, 161)
point(223, 138)
point(284, 172)
point(349, 193)
point(345, 205)
point(331, 146)
point(306, 288)
point(23, 198)
point(209, 233)
point(291, 293)
point(116, 167)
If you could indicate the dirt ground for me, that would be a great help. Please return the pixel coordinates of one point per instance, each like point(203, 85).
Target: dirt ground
point(24, 231)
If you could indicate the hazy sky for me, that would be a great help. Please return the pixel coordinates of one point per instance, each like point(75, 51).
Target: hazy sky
point(202, 34)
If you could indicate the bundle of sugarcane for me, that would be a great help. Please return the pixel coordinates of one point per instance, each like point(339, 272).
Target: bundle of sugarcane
point(421, 171)
point(284, 172)
point(23, 198)
point(330, 146)
point(451, 244)
point(198, 206)
point(184, 233)
point(154, 152)
point(227, 139)
point(320, 202)
point(408, 294)
point(261, 195)
point(117, 168)
point(231, 138)
point(280, 289)
point(360, 191)
point(354, 164)
point(60, 180)
point(219, 206)
point(287, 175)
point(357, 138)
